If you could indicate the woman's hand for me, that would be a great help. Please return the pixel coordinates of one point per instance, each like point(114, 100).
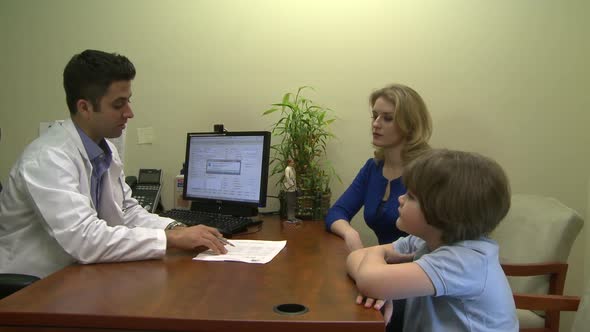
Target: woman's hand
point(353, 240)
point(350, 235)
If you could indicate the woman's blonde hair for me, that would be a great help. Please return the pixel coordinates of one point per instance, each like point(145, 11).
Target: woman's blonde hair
point(411, 116)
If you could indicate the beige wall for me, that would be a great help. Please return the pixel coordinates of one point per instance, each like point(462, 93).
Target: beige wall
point(506, 78)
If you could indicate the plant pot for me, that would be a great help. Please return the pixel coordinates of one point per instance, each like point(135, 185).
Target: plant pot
point(309, 206)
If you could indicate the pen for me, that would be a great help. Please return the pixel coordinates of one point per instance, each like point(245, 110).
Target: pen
point(225, 241)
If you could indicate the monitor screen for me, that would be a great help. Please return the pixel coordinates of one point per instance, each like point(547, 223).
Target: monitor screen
point(227, 168)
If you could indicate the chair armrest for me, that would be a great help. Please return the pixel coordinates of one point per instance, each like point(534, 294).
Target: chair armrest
point(557, 272)
point(10, 283)
point(534, 269)
point(546, 302)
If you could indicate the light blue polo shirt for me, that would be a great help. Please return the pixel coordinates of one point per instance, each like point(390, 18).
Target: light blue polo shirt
point(471, 289)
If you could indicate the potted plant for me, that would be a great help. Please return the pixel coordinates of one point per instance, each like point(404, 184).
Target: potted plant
point(303, 132)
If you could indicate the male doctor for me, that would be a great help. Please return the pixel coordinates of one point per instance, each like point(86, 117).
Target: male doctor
point(66, 200)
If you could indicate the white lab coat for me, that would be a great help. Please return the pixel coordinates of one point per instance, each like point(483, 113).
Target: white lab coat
point(48, 219)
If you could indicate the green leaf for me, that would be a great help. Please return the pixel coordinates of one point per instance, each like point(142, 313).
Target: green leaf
point(272, 110)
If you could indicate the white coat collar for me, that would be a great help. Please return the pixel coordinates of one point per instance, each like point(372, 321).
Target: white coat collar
point(73, 133)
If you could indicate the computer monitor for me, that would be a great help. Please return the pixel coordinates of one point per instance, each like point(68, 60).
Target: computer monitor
point(227, 172)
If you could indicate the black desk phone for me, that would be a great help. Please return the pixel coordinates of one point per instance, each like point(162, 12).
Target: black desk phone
point(146, 190)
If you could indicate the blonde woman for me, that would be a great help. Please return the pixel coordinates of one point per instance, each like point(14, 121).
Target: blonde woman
point(401, 128)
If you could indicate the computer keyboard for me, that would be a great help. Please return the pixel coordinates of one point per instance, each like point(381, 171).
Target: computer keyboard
point(226, 224)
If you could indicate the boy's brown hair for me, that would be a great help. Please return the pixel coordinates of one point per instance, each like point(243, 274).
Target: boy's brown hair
point(463, 194)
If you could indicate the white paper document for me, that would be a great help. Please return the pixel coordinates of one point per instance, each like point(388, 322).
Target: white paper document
point(247, 251)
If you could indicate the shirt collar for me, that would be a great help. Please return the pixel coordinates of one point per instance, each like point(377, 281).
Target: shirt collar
point(92, 149)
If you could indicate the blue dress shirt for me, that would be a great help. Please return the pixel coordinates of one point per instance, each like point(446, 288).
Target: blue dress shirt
point(100, 156)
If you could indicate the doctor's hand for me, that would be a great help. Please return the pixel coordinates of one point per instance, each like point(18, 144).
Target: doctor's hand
point(189, 238)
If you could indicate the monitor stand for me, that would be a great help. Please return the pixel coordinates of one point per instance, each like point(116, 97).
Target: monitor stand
point(234, 209)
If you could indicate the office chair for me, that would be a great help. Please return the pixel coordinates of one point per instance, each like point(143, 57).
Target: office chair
point(561, 303)
point(11, 282)
point(535, 240)
point(582, 319)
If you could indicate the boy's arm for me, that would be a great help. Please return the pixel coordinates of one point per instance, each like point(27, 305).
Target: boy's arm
point(354, 259)
point(386, 252)
point(376, 278)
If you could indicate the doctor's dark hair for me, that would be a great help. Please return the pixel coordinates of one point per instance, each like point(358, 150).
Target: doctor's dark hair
point(463, 194)
point(89, 74)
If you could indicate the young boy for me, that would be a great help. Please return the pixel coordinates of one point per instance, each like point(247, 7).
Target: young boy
point(452, 280)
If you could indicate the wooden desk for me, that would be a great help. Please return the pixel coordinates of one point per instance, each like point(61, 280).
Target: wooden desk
point(179, 294)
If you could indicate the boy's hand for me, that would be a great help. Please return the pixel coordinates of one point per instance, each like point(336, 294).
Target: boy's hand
point(388, 311)
point(369, 302)
point(387, 306)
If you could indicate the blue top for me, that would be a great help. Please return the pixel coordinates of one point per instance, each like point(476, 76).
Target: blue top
point(471, 290)
point(368, 189)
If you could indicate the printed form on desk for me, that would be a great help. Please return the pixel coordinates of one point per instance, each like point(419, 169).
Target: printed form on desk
point(247, 251)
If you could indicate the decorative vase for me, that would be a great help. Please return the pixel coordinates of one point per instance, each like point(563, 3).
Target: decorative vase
point(309, 206)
